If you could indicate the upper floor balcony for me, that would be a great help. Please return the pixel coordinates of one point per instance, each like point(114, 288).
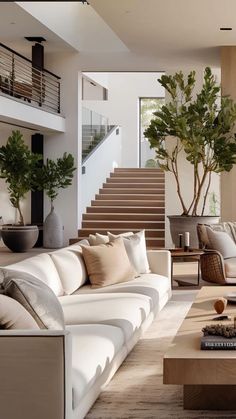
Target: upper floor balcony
point(34, 91)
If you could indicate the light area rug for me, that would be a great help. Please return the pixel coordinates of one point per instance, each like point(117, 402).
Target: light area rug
point(137, 389)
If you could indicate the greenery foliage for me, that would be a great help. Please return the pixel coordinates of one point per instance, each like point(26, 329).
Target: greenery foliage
point(199, 127)
point(54, 175)
point(17, 167)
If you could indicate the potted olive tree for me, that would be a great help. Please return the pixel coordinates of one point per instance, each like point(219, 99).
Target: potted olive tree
point(51, 177)
point(202, 127)
point(18, 167)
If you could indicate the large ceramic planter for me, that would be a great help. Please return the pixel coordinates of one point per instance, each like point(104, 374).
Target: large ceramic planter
point(179, 224)
point(53, 231)
point(19, 238)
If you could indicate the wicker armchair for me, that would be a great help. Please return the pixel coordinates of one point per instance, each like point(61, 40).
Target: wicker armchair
point(213, 266)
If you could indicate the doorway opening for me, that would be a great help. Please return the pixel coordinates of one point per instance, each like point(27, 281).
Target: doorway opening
point(147, 106)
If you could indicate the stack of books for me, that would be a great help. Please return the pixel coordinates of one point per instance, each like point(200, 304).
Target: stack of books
point(217, 343)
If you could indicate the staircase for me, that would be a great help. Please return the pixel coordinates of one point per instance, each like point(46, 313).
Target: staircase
point(130, 200)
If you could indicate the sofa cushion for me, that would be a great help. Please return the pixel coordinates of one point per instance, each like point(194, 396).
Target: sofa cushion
point(94, 347)
point(127, 311)
point(36, 297)
point(43, 268)
point(108, 263)
point(71, 268)
point(230, 268)
point(135, 246)
point(151, 285)
point(222, 242)
point(14, 316)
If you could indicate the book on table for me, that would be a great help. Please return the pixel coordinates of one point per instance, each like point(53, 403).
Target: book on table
point(218, 343)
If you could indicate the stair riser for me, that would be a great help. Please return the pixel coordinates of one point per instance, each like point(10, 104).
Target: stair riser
point(117, 191)
point(146, 175)
point(132, 180)
point(150, 243)
point(127, 210)
point(120, 217)
point(123, 224)
point(130, 197)
point(148, 233)
point(138, 169)
point(128, 203)
point(131, 186)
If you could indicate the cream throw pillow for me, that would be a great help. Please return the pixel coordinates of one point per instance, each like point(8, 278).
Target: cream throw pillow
point(95, 239)
point(135, 246)
point(221, 241)
point(108, 264)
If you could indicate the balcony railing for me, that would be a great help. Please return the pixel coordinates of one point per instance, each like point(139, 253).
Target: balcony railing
point(95, 128)
point(21, 80)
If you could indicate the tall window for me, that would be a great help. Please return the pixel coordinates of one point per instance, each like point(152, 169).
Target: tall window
point(147, 105)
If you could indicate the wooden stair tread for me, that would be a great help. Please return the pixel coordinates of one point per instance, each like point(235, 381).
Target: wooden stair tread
point(130, 200)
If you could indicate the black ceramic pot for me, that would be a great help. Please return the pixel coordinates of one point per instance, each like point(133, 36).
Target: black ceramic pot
point(19, 238)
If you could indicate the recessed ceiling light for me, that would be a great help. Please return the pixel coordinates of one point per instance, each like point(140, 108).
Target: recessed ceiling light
point(226, 29)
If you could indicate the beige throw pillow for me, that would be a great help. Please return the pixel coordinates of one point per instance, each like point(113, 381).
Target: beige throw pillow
point(108, 264)
point(135, 246)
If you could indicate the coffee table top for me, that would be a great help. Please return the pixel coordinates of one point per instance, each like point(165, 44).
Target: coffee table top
point(185, 362)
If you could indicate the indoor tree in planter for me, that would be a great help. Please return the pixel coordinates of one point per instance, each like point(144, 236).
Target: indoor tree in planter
point(201, 126)
point(18, 168)
point(53, 176)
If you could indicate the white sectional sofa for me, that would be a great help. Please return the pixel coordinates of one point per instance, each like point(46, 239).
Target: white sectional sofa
point(61, 373)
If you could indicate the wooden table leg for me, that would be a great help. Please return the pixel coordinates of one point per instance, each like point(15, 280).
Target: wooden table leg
point(210, 397)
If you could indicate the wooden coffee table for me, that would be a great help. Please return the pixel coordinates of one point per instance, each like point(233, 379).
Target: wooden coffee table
point(208, 377)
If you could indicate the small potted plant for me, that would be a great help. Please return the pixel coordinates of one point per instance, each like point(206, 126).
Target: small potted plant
point(18, 167)
point(51, 177)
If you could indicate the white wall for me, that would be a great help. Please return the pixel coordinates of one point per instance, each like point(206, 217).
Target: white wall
point(98, 167)
point(122, 107)
point(66, 204)
point(6, 210)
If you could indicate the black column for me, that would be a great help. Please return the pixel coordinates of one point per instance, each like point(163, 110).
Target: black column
point(37, 196)
point(37, 141)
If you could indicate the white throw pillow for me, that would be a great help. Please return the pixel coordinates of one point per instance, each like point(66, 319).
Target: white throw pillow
point(221, 241)
point(135, 246)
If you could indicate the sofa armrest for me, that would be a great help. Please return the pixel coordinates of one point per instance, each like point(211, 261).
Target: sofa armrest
point(35, 374)
point(212, 267)
point(160, 262)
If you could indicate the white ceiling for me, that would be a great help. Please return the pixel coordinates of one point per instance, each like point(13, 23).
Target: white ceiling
point(171, 29)
point(15, 24)
point(124, 35)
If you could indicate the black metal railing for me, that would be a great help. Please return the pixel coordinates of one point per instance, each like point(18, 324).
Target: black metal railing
point(20, 79)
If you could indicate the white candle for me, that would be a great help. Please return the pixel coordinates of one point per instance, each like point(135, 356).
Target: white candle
point(186, 238)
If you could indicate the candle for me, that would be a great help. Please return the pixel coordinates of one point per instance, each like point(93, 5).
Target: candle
point(186, 238)
point(180, 240)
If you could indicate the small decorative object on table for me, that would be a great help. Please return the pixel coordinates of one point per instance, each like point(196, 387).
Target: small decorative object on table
point(220, 305)
point(186, 241)
point(218, 337)
point(180, 240)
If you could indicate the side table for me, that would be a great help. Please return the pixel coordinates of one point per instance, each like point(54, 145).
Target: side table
point(186, 256)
